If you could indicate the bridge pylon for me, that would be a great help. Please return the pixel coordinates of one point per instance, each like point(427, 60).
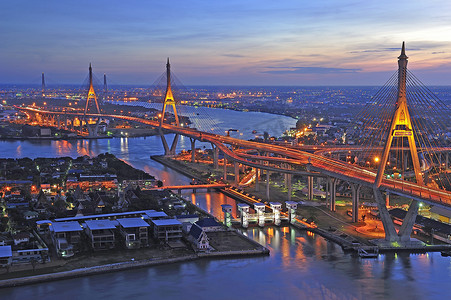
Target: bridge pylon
point(168, 100)
point(400, 127)
point(91, 97)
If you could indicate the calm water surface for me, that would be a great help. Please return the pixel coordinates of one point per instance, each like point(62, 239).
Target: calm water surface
point(301, 265)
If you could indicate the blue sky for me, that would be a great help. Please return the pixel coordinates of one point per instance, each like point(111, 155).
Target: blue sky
point(264, 42)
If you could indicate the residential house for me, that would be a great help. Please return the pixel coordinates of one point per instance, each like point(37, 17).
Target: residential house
point(199, 237)
point(101, 234)
point(167, 230)
point(134, 231)
point(6, 255)
point(209, 224)
point(66, 237)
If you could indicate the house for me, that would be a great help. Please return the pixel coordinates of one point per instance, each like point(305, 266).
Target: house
point(134, 231)
point(101, 234)
point(21, 237)
point(167, 230)
point(66, 237)
point(209, 224)
point(30, 215)
point(199, 237)
point(6, 255)
point(187, 221)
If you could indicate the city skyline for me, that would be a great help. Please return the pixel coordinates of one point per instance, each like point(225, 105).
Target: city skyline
point(233, 43)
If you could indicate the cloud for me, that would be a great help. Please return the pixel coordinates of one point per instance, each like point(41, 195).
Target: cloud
point(310, 70)
point(438, 52)
point(383, 50)
point(233, 55)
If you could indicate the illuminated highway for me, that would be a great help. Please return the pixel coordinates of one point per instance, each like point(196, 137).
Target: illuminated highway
point(312, 164)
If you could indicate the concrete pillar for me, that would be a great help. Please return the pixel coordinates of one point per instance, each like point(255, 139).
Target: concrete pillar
point(387, 198)
point(409, 221)
point(237, 172)
point(257, 175)
point(447, 161)
point(289, 186)
point(389, 227)
point(227, 209)
point(276, 208)
point(267, 185)
point(215, 156)
point(333, 193)
point(310, 188)
point(193, 150)
point(292, 207)
point(225, 168)
point(260, 209)
point(355, 201)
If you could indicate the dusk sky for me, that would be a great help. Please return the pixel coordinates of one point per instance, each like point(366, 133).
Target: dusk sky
point(260, 42)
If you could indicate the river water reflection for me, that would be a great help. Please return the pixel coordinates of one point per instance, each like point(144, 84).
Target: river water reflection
point(301, 265)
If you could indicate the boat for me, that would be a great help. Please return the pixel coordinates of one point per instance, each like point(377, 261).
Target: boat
point(446, 253)
point(372, 252)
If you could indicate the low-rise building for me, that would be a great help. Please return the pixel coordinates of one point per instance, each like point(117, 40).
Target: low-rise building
point(134, 231)
point(101, 234)
point(66, 237)
point(6, 255)
point(167, 230)
point(199, 237)
point(209, 224)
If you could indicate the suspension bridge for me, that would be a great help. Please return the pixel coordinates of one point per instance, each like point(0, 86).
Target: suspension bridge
point(396, 139)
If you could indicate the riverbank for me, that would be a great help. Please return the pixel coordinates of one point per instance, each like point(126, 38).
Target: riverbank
point(127, 265)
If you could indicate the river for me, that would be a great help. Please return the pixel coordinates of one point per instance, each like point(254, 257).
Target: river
point(301, 265)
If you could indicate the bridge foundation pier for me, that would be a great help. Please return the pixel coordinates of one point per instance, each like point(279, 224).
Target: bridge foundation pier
point(289, 187)
point(387, 198)
point(355, 201)
point(257, 171)
point(193, 150)
point(215, 156)
point(237, 172)
point(409, 221)
point(333, 193)
point(225, 168)
point(267, 185)
point(310, 188)
point(389, 227)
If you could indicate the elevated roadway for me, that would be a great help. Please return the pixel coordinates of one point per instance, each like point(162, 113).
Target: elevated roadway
point(310, 164)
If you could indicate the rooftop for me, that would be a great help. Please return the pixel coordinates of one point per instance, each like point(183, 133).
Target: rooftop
point(5, 251)
point(208, 222)
point(132, 222)
point(66, 226)
point(141, 212)
point(100, 224)
point(166, 222)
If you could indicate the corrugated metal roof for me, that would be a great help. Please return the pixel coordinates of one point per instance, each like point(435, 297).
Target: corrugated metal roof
point(66, 226)
point(132, 222)
point(100, 224)
point(166, 222)
point(5, 251)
